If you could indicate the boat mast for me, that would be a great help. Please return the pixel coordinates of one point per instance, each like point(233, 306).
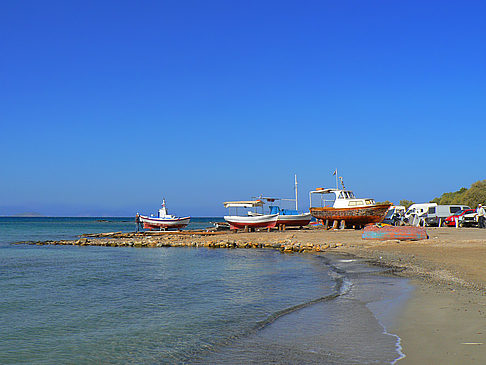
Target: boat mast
point(336, 173)
point(296, 204)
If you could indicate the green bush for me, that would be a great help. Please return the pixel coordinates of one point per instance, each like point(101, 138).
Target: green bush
point(473, 196)
point(406, 203)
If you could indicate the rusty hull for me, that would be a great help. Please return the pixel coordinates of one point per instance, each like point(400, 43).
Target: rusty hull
point(353, 216)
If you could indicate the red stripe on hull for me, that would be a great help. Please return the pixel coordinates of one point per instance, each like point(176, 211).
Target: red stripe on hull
point(294, 222)
point(237, 225)
point(152, 226)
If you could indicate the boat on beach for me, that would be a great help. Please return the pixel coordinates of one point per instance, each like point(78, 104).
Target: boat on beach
point(346, 209)
point(289, 217)
point(388, 232)
point(164, 220)
point(251, 219)
point(286, 217)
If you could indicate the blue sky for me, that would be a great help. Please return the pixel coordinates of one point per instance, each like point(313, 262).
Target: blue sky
point(106, 107)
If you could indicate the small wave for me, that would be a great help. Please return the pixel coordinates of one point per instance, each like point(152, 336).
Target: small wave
point(398, 343)
point(272, 318)
point(341, 287)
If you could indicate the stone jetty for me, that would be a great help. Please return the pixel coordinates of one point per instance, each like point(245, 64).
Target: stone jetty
point(283, 242)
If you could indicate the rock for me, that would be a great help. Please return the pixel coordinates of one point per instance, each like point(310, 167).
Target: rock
point(82, 241)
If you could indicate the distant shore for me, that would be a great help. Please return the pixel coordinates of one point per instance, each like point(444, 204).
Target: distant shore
point(441, 323)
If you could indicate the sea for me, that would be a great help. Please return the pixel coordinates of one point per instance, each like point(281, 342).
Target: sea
point(174, 305)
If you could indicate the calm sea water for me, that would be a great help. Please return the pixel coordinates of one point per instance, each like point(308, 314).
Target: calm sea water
point(14, 229)
point(87, 305)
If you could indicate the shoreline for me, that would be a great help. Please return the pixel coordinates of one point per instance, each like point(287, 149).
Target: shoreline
point(442, 320)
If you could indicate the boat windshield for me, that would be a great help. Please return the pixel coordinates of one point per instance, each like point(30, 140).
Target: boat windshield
point(327, 200)
point(346, 195)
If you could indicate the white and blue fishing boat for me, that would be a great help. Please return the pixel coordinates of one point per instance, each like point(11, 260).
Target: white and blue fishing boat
point(288, 217)
point(164, 220)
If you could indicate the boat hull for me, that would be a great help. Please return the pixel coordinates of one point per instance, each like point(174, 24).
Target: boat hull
point(238, 222)
point(162, 223)
point(352, 216)
point(386, 232)
point(294, 219)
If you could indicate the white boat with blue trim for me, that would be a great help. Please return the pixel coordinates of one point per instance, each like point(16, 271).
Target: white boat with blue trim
point(164, 220)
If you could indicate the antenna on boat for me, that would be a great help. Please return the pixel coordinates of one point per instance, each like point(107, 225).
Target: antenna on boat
point(296, 204)
point(335, 173)
point(342, 182)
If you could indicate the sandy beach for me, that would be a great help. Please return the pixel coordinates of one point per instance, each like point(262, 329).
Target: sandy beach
point(444, 322)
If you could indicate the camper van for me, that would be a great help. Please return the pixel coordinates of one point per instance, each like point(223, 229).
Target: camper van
point(436, 215)
point(431, 214)
point(416, 210)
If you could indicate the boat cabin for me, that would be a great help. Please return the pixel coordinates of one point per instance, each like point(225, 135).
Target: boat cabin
point(249, 204)
point(275, 208)
point(163, 213)
point(339, 198)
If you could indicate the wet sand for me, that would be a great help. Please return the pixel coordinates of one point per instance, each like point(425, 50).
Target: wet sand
point(444, 322)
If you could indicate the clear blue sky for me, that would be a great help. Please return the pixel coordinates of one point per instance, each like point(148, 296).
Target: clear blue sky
point(108, 106)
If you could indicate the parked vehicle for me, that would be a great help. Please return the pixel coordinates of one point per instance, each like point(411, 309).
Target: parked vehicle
point(469, 219)
point(394, 215)
point(415, 211)
point(450, 221)
point(435, 215)
point(431, 214)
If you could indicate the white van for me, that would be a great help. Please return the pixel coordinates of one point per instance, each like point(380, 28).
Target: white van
point(416, 210)
point(394, 215)
point(436, 215)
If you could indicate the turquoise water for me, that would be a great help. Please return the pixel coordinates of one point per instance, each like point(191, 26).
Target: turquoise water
point(14, 229)
point(90, 305)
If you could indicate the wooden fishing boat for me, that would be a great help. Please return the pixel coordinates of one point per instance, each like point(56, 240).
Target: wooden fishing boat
point(346, 207)
point(164, 220)
point(288, 217)
point(252, 219)
point(387, 232)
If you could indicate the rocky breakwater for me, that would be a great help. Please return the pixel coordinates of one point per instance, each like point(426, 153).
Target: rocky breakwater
point(285, 244)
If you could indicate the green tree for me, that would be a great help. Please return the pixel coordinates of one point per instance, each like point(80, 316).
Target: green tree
point(473, 196)
point(406, 203)
point(385, 202)
point(456, 197)
point(476, 194)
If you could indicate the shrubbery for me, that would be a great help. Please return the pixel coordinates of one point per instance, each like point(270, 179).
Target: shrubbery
point(473, 196)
